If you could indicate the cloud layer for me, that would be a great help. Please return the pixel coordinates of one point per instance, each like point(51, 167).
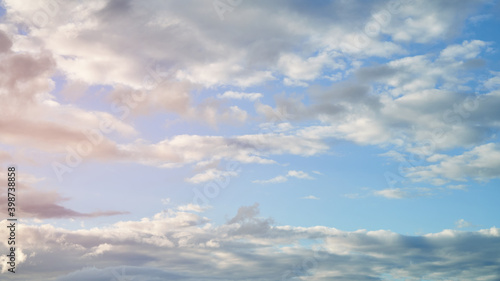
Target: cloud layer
point(180, 245)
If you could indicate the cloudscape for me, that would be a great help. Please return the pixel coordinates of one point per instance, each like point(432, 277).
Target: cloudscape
point(250, 140)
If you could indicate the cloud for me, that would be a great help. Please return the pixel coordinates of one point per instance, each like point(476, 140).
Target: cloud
point(194, 46)
point(299, 175)
point(5, 157)
point(467, 50)
point(32, 118)
point(312, 197)
point(175, 244)
point(388, 104)
point(193, 208)
point(210, 175)
point(277, 179)
point(297, 69)
point(425, 21)
point(185, 149)
point(461, 223)
point(98, 250)
point(480, 163)
point(399, 111)
point(402, 193)
point(240, 96)
point(280, 179)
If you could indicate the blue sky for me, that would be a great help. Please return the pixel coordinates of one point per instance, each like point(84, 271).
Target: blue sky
point(253, 140)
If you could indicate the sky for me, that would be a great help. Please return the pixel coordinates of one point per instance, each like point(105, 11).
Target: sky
point(251, 140)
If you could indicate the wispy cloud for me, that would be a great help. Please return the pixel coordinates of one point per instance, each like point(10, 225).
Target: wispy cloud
point(240, 96)
point(312, 197)
point(211, 174)
point(402, 193)
point(284, 178)
point(461, 223)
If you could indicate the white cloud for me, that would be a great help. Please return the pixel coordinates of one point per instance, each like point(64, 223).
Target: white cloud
point(401, 193)
point(240, 96)
point(98, 250)
point(277, 179)
point(193, 208)
point(480, 163)
point(461, 223)
point(424, 21)
point(299, 175)
point(493, 82)
point(297, 69)
point(281, 179)
point(312, 197)
point(467, 50)
point(210, 175)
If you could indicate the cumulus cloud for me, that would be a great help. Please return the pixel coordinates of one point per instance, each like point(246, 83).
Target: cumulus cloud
point(196, 47)
point(156, 58)
point(165, 74)
point(481, 163)
point(425, 21)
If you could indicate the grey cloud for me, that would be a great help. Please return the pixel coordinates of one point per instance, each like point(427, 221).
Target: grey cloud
point(474, 63)
point(5, 42)
point(245, 213)
point(189, 36)
point(375, 72)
